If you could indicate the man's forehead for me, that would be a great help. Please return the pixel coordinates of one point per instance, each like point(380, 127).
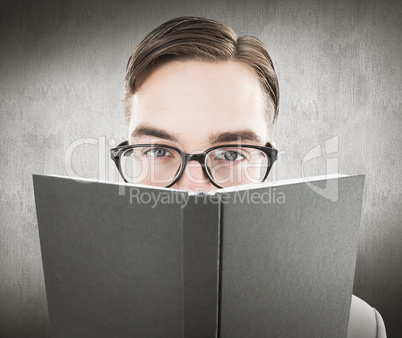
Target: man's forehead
point(197, 104)
point(240, 73)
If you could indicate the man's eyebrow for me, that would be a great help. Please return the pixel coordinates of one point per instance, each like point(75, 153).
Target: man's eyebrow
point(236, 135)
point(229, 136)
point(143, 130)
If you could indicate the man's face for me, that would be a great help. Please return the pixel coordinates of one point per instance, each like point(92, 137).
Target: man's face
point(195, 105)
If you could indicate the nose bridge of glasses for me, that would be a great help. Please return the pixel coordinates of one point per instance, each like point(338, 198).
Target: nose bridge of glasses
point(200, 158)
point(194, 157)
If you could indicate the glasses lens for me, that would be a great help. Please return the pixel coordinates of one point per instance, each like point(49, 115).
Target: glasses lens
point(230, 166)
point(153, 165)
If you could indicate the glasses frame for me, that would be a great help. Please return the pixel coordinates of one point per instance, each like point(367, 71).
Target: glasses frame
point(269, 150)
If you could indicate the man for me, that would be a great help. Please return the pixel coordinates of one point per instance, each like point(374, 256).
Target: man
point(191, 86)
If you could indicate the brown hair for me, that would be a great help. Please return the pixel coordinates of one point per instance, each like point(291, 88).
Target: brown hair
point(194, 38)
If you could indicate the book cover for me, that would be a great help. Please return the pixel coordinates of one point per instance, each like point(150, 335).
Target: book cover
point(271, 260)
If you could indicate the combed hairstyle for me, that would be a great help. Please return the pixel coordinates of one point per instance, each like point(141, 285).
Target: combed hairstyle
point(195, 38)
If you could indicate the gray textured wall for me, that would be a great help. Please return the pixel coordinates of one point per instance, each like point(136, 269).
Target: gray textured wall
point(62, 68)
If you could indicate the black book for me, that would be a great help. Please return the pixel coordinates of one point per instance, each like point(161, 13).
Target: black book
point(268, 260)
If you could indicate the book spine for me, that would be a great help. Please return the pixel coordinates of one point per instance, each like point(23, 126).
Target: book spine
point(201, 249)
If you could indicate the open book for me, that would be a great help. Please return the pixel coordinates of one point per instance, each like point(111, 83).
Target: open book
point(268, 260)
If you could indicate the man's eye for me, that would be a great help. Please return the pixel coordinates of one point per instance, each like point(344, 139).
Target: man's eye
point(229, 155)
point(156, 152)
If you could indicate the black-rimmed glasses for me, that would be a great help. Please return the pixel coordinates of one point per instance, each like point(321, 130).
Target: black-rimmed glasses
point(224, 165)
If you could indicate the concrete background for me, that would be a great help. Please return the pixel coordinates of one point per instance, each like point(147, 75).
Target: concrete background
point(62, 69)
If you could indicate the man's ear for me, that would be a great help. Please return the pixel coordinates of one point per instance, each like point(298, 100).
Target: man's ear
point(273, 143)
